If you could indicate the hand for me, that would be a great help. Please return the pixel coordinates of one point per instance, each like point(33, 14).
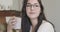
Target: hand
point(11, 23)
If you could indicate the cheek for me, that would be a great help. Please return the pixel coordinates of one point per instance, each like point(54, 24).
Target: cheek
point(38, 11)
point(27, 10)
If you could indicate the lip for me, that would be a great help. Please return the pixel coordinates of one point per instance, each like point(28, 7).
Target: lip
point(32, 13)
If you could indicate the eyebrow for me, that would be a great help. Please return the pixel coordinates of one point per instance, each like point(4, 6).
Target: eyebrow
point(30, 3)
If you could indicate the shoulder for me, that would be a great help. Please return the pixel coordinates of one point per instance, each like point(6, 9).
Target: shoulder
point(46, 23)
point(46, 27)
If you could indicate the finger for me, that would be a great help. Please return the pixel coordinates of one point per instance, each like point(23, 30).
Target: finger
point(12, 22)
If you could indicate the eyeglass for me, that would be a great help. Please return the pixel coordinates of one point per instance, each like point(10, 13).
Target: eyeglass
point(32, 5)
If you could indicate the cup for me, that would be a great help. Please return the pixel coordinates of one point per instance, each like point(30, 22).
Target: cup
point(17, 25)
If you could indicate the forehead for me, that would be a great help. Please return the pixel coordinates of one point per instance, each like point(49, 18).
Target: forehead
point(32, 1)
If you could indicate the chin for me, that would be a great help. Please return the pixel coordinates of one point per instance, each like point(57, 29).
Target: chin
point(32, 17)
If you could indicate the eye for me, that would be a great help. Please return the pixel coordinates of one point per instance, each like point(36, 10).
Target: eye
point(36, 5)
point(28, 5)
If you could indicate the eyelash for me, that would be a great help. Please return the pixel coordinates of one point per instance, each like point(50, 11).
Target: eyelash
point(37, 6)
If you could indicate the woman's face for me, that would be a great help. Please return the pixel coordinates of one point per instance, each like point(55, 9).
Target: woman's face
point(33, 9)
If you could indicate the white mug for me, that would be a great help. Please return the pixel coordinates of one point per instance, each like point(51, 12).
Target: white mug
point(18, 22)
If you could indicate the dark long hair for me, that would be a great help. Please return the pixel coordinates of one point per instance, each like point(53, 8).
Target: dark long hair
point(26, 23)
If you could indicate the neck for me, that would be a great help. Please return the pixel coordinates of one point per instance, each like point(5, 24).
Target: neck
point(34, 22)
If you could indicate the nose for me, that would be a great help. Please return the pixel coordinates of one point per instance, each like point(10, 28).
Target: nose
point(32, 8)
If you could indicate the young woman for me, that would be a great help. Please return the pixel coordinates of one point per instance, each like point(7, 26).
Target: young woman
point(33, 18)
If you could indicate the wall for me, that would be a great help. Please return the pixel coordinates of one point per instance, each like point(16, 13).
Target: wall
point(52, 12)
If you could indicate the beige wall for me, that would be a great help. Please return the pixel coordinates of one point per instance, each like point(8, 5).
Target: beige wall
point(52, 11)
